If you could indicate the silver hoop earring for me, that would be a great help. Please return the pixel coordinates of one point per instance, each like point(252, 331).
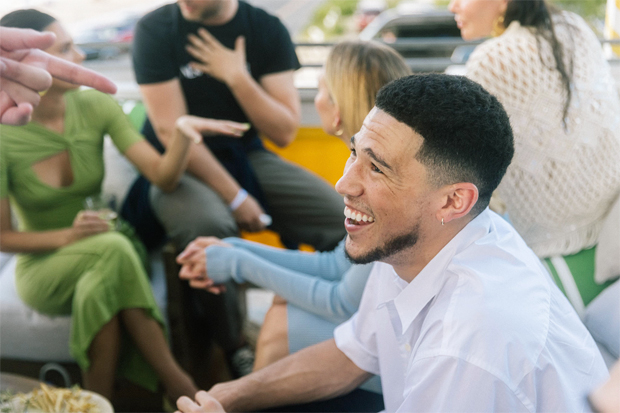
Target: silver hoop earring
point(442, 222)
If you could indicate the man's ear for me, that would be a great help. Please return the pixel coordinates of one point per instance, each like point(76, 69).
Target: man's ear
point(457, 201)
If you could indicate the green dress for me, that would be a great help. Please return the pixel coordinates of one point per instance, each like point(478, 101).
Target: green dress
point(93, 278)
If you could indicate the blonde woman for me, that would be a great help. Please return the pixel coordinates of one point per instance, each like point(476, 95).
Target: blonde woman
point(317, 291)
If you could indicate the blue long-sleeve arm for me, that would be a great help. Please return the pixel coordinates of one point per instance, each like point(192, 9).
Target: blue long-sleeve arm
point(335, 300)
point(328, 265)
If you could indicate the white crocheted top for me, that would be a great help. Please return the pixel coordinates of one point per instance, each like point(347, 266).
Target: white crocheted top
point(561, 184)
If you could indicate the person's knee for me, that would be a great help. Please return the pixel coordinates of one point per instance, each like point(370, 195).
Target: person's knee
point(113, 242)
point(202, 225)
point(275, 327)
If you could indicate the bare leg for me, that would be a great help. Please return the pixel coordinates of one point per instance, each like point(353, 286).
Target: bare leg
point(272, 343)
point(150, 340)
point(103, 356)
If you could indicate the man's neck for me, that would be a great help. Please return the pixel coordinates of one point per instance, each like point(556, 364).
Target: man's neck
point(408, 264)
point(226, 14)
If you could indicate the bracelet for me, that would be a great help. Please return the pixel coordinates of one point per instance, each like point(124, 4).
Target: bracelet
point(239, 198)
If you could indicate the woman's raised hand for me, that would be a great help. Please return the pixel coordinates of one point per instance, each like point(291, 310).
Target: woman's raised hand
point(194, 127)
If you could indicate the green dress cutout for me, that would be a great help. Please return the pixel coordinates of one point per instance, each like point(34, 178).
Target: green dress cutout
point(96, 277)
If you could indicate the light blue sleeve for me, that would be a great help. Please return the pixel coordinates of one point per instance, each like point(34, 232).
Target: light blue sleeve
point(335, 300)
point(330, 265)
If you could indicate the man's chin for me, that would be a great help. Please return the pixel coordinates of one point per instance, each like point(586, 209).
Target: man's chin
point(384, 251)
point(357, 257)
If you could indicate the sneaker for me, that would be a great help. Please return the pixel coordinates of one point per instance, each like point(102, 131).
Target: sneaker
point(241, 362)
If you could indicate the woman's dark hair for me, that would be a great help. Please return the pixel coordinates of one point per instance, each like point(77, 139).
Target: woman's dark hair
point(539, 15)
point(27, 19)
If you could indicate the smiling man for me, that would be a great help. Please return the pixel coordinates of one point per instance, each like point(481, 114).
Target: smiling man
point(459, 315)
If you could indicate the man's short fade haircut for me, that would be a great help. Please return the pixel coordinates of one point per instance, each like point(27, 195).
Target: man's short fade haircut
point(466, 131)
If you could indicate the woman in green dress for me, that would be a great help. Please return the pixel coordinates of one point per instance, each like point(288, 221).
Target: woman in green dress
point(70, 262)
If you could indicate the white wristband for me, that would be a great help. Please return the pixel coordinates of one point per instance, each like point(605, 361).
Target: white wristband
point(239, 198)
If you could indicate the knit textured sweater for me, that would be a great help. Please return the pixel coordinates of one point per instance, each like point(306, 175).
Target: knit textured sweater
point(563, 178)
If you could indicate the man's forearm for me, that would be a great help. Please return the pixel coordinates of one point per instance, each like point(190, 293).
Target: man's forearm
point(276, 120)
point(315, 373)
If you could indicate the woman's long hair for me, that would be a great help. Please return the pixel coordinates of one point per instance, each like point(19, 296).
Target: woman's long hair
point(355, 70)
point(538, 14)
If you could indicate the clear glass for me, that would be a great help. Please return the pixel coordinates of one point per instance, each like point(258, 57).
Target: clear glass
point(106, 206)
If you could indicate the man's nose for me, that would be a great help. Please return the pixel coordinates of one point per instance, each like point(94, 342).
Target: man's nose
point(351, 183)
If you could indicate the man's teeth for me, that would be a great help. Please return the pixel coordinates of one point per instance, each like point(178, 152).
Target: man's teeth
point(357, 216)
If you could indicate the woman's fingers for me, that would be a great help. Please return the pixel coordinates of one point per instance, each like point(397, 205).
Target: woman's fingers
point(201, 284)
point(89, 223)
point(190, 253)
point(213, 126)
point(195, 128)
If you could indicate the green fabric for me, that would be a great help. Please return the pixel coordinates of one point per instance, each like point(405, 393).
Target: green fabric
point(94, 278)
point(137, 116)
point(90, 115)
point(581, 266)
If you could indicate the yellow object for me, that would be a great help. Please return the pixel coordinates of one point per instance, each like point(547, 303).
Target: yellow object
point(316, 151)
point(498, 27)
point(612, 24)
point(60, 400)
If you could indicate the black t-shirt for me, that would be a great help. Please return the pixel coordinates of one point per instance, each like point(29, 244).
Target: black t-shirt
point(159, 55)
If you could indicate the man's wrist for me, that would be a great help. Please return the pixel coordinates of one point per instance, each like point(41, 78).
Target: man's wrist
point(239, 199)
point(234, 395)
point(237, 78)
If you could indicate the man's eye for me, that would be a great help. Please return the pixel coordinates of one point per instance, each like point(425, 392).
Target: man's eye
point(353, 153)
point(375, 169)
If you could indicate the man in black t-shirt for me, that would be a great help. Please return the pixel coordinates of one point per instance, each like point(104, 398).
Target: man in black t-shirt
point(225, 59)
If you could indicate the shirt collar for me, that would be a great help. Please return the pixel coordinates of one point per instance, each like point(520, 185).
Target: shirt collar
point(425, 286)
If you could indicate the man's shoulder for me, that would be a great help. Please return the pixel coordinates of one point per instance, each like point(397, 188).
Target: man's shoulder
point(160, 15)
point(255, 11)
point(259, 18)
point(496, 294)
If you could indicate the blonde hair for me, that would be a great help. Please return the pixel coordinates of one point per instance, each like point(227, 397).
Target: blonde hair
point(354, 73)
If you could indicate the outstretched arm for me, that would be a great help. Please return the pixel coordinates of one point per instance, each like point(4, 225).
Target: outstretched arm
point(165, 103)
point(328, 265)
point(315, 373)
point(86, 224)
point(334, 300)
point(166, 170)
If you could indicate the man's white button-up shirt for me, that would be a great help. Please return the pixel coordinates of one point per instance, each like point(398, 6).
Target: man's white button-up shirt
point(481, 328)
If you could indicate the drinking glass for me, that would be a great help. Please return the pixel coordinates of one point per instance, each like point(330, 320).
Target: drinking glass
point(106, 206)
